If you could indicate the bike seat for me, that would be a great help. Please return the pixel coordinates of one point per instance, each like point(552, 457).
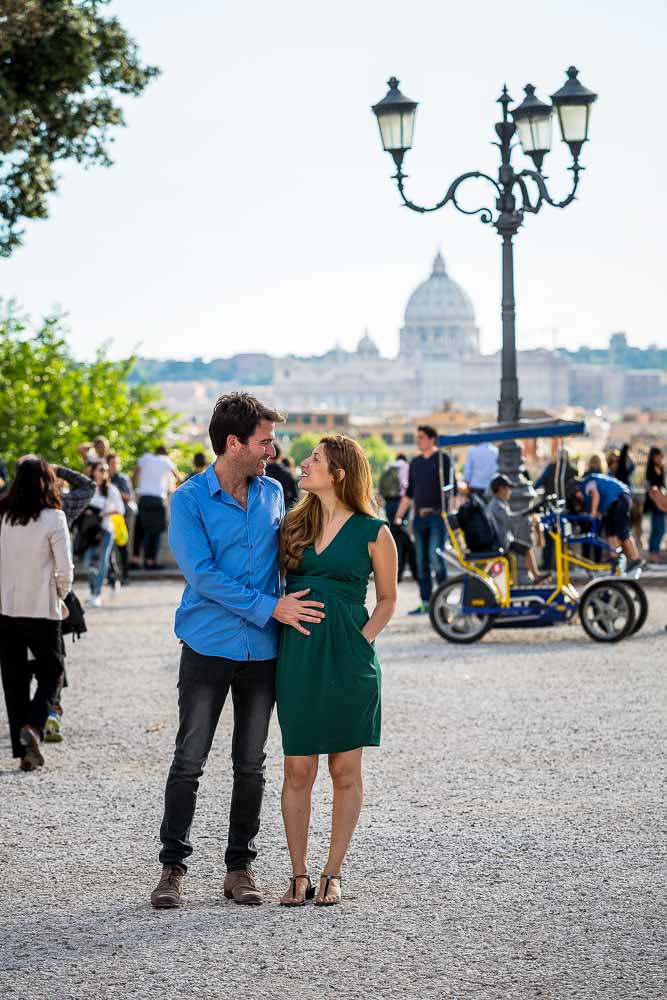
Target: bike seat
point(474, 556)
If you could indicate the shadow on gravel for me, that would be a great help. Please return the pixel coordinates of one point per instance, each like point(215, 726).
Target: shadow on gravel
point(511, 644)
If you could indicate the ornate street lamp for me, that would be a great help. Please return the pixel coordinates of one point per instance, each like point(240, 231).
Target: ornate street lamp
point(516, 193)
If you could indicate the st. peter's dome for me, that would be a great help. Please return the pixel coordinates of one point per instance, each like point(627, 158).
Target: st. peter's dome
point(439, 318)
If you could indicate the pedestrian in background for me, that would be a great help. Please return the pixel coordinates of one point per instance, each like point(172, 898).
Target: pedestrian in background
point(480, 467)
point(429, 473)
point(106, 502)
point(392, 488)
point(589, 551)
point(276, 470)
point(153, 476)
point(4, 477)
point(625, 466)
point(655, 477)
point(553, 480)
point(36, 573)
point(123, 484)
point(76, 491)
point(613, 457)
point(199, 464)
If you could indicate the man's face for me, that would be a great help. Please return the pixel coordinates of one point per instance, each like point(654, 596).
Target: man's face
point(259, 450)
point(114, 466)
point(100, 448)
point(424, 442)
point(505, 492)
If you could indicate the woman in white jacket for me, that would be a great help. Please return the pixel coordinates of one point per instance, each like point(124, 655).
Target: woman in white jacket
point(36, 575)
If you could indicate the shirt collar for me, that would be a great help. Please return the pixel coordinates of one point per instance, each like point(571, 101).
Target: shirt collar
point(212, 480)
point(214, 485)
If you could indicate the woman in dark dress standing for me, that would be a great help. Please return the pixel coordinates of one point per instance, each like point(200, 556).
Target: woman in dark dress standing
point(329, 681)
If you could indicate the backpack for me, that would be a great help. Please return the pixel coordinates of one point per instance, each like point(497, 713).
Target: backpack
point(75, 623)
point(473, 518)
point(390, 483)
point(89, 530)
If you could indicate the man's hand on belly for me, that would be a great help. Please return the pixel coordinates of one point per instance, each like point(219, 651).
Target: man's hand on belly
point(292, 610)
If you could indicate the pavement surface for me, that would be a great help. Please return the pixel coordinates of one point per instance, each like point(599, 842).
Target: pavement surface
point(512, 844)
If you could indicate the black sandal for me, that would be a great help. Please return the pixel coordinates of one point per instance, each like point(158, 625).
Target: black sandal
point(309, 894)
point(328, 880)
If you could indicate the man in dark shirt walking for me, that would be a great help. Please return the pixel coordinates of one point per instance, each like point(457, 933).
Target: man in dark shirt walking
point(430, 472)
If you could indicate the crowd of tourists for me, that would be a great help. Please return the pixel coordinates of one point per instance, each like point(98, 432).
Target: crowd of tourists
point(114, 523)
point(413, 493)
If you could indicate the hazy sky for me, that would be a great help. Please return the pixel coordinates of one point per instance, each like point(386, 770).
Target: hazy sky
point(251, 208)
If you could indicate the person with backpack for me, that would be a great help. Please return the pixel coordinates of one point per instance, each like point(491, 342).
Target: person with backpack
point(503, 518)
point(429, 473)
point(392, 487)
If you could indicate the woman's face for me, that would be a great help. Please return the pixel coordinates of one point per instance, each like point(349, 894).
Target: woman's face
point(315, 475)
point(100, 473)
point(659, 460)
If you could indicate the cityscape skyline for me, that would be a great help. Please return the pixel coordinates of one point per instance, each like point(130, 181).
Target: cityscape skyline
point(225, 226)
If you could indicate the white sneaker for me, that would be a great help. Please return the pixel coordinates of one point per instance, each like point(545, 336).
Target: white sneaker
point(94, 602)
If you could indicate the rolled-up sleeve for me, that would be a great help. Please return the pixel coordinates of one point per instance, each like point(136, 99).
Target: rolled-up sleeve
point(59, 541)
point(191, 549)
point(410, 491)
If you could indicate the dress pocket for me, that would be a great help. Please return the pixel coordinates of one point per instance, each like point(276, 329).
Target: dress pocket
point(366, 649)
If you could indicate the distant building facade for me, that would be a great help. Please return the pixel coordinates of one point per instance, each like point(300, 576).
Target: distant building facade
point(438, 359)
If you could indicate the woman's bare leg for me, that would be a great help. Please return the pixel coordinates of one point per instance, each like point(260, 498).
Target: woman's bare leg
point(300, 774)
point(348, 786)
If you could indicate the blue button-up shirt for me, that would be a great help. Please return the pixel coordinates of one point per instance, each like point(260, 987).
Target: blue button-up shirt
point(229, 558)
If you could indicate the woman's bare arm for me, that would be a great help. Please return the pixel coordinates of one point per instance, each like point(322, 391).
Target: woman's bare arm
point(385, 571)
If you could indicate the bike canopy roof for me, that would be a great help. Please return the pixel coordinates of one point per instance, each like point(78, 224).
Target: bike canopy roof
point(549, 427)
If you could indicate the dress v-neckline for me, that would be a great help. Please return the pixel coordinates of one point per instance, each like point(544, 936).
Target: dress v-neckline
point(329, 544)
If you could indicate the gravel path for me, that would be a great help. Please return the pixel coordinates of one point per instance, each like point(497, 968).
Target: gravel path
point(512, 842)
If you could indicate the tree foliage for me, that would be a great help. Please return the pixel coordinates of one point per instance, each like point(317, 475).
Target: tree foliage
point(377, 452)
point(303, 445)
point(50, 403)
point(62, 67)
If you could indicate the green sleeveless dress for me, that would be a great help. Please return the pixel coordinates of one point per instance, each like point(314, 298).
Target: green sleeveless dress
point(328, 683)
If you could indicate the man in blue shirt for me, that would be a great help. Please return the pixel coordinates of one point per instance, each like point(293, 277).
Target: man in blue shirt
point(609, 498)
point(224, 534)
point(480, 467)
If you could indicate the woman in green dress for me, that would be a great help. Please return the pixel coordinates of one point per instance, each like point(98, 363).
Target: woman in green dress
point(328, 678)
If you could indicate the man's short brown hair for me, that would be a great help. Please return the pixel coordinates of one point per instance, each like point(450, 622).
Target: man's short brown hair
point(240, 414)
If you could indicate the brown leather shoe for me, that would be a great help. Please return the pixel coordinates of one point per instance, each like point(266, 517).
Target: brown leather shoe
point(169, 890)
point(242, 887)
point(32, 758)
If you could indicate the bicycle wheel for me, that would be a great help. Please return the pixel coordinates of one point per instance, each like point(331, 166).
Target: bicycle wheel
point(448, 618)
point(607, 611)
point(640, 602)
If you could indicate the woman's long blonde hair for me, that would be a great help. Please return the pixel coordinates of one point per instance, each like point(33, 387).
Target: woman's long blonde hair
point(303, 524)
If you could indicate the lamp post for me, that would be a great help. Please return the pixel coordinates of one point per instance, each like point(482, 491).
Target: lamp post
point(516, 193)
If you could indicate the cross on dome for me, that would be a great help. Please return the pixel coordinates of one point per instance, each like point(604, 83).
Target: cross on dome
point(439, 264)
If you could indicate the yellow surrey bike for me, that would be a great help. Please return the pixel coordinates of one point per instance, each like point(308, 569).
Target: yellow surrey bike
point(611, 605)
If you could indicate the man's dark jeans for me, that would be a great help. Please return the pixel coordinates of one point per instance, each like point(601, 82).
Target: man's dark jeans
point(203, 685)
point(429, 535)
